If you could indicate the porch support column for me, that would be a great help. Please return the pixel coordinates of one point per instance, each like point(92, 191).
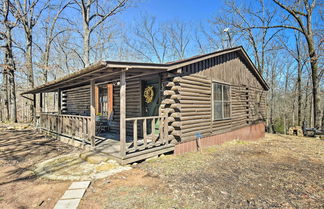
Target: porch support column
point(40, 102)
point(59, 111)
point(123, 114)
point(34, 113)
point(92, 113)
point(40, 109)
point(59, 101)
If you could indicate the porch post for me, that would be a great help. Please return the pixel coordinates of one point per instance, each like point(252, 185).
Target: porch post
point(40, 109)
point(123, 114)
point(34, 113)
point(92, 130)
point(59, 101)
point(59, 111)
point(40, 102)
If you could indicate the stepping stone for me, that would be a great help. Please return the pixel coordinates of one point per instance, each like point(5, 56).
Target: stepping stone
point(80, 185)
point(73, 194)
point(67, 204)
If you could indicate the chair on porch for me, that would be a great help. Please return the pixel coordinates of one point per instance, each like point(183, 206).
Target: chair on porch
point(103, 124)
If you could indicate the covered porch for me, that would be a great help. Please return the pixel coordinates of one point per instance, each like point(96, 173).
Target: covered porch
point(127, 131)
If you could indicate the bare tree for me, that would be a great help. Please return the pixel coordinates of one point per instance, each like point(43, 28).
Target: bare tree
point(301, 12)
point(51, 34)
point(150, 41)
point(241, 21)
point(28, 16)
point(94, 14)
point(9, 67)
point(179, 39)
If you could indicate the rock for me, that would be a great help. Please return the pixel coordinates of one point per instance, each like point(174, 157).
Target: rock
point(27, 174)
point(106, 166)
point(296, 130)
point(151, 158)
point(94, 158)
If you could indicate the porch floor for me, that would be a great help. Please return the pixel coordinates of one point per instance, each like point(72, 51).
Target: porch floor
point(108, 143)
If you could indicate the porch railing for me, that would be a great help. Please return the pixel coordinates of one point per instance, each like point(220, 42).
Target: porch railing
point(74, 126)
point(148, 132)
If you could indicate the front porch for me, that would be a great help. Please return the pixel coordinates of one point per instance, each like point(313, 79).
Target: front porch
point(76, 129)
point(132, 132)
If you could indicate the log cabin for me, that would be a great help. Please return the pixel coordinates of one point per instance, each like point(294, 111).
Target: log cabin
point(133, 111)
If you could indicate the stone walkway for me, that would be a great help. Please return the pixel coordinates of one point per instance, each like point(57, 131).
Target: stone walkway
point(72, 196)
point(79, 167)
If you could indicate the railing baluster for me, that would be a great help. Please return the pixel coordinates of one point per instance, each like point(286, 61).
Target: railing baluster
point(135, 134)
point(152, 127)
point(145, 132)
point(166, 132)
point(161, 134)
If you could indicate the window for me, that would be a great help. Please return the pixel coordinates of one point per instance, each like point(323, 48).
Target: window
point(221, 101)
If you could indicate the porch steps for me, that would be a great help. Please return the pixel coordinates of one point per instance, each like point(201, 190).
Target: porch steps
point(147, 153)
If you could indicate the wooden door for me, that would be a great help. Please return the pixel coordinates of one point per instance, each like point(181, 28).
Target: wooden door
point(151, 99)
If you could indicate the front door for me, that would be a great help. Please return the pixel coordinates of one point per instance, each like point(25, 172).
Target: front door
point(151, 101)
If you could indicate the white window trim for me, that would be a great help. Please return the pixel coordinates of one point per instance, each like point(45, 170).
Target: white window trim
point(230, 101)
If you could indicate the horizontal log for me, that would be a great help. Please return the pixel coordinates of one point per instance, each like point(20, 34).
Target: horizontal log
point(196, 117)
point(176, 133)
point(176, 124)
point(175, 88)
point(195, 129)
point(176, 115)
point(193, 91)
point(168, 101)
point(203, 124)
point(195, 102)
point(193, 133)
point(194, 113)
point(190, 105)
point(197, 79)
point(197, 98)
point(189, 86)
point(197, 110)
point(168, 93)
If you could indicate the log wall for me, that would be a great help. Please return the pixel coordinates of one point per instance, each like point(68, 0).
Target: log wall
point(76, 101)
point(133, 105)
point(195, 96)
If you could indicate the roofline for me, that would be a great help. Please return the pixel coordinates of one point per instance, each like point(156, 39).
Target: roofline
point(159, 66)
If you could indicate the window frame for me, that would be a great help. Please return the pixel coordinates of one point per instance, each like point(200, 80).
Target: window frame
point(222, 101)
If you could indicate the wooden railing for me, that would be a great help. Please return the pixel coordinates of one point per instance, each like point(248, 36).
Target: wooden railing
point(74, 126)
point(148, 132)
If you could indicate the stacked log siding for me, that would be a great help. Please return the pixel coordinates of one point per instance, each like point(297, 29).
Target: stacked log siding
point(77, 101)
point(247, 96)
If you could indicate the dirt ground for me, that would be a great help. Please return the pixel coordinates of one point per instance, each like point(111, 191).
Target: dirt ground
point(20, 149)
point(275, 172)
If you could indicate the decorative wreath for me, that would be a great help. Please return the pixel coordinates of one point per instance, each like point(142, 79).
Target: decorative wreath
point(149, 94)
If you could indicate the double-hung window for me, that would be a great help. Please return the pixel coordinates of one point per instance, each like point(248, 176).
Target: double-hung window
point(221, 101)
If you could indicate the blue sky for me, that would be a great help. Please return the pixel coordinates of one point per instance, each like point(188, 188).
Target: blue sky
point(195, 11)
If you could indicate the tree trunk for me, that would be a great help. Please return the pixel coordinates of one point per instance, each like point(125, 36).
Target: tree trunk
point(5, 96)
point(9, 71)
point(86, 45)
point(271, 126)
point(299, 90)
point(29, 66)
point(12, 96)
point(314, 66)
point(315, 89)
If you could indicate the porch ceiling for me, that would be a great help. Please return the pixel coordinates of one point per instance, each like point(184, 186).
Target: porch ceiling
point(100, 72)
